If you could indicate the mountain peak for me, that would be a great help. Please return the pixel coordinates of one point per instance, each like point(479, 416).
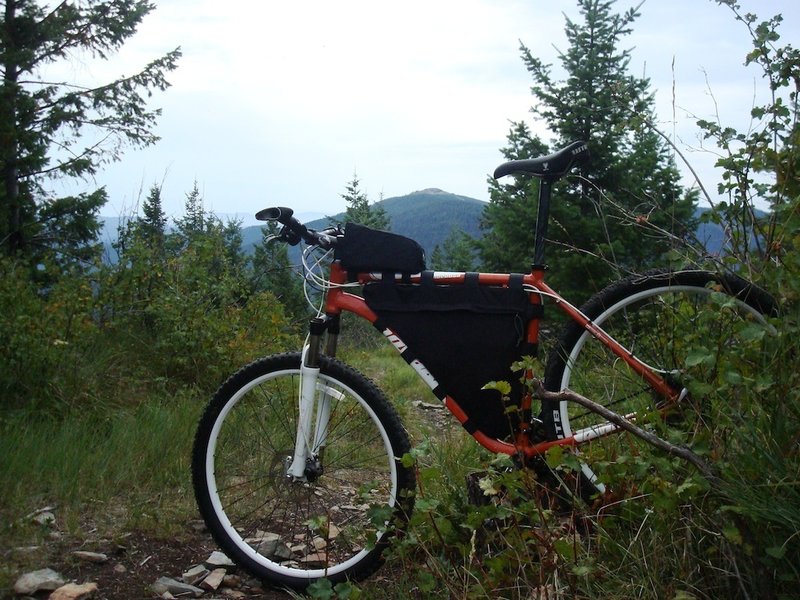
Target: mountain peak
point(430, 191)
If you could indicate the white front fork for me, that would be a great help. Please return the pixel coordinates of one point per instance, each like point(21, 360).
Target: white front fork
point(308, 441)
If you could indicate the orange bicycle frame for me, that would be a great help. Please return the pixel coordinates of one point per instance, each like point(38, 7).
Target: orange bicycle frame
point(339, 300)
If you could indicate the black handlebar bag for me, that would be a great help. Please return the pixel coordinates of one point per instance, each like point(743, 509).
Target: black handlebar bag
point(466, 336)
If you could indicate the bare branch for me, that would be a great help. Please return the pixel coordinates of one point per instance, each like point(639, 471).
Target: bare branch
point(680, 451)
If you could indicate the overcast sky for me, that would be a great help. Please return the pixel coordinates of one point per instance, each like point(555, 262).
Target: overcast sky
point(280, 103)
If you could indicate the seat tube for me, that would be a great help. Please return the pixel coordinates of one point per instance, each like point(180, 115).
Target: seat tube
point(309, 375)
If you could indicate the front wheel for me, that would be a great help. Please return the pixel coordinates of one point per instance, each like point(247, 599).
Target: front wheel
point(337, 520)
point(696, 329)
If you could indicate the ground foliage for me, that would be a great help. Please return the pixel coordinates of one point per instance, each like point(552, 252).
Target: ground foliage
point(182, 307)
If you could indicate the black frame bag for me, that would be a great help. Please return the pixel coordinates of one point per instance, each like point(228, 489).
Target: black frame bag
point(465, 336)
point(363, 250)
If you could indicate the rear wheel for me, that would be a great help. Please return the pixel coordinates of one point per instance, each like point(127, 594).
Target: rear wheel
point(337, 521)
point(689, 326)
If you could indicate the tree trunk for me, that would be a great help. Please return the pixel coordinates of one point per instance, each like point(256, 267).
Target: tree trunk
point(13, 240)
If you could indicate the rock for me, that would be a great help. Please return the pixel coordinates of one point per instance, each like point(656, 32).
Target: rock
point(198, 526)
point(44, 509)
point(262, 537)
point(73, 591)
point(232, 581)
point(177, 588)
point(319, 559)
point(94, 557)
point(120, 568)
point(218, 559)
point(299, 549)
point(38, 581)
point(333, 531)
point(235, 594)
point(427, 405)
point(274, 549)
point(46, 519)
point(353, 507)
point(195, 574)
point(214, 580)
point(319, 543)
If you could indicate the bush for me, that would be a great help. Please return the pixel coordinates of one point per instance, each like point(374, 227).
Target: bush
point(46, 335)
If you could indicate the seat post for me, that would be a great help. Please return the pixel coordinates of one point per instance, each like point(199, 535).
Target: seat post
point(542, 218)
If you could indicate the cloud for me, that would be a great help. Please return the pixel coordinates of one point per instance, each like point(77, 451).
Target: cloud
point(280, 102)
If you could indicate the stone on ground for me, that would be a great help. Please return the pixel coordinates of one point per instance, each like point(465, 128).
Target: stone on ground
point(38, 581)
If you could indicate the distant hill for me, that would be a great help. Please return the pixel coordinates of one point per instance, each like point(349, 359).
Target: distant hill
point(427, 216)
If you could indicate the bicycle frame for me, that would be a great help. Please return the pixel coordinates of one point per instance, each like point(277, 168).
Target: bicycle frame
point(338, 300)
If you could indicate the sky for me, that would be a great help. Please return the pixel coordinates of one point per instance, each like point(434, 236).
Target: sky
point(283, 103)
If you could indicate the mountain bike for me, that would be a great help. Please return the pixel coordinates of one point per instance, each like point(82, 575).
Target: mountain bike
point(300, 463)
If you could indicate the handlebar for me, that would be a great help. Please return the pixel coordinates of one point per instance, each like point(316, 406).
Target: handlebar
point(293, 230)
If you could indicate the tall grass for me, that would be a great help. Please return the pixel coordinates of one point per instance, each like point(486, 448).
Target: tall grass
point(118, 468)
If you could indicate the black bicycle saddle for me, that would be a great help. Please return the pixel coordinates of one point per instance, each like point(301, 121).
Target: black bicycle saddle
point(552, 166)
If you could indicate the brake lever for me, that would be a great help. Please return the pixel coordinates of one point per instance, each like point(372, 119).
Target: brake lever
point(285, 235)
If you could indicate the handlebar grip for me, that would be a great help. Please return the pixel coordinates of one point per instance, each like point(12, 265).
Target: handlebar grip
point(293, 230)
point(281, 214)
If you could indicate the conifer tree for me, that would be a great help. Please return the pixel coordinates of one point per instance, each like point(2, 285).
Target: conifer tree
point(456, 253)
point(195, 219)
point(272, 271)
point(630, 179)
point(65, 128)
point(153, 224)
point(360, 211)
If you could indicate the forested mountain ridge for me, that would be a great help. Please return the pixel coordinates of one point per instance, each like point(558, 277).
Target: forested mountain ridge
point(427, 216)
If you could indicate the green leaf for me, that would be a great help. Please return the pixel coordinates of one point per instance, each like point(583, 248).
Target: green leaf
point(686, 486)
point(732, 534)
point(733, 377)
point(501, 386)
point(426, 581)
point(554, 456)
point(426, 504)
point(565, 549)
point(430, 474)
point(347, 591)
point(379, 515)
point(486, 484)
point(321, 589)
point(502, 461)
point(699, 356)
point(753, 332)
point(582, 570)
point(776, 551)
